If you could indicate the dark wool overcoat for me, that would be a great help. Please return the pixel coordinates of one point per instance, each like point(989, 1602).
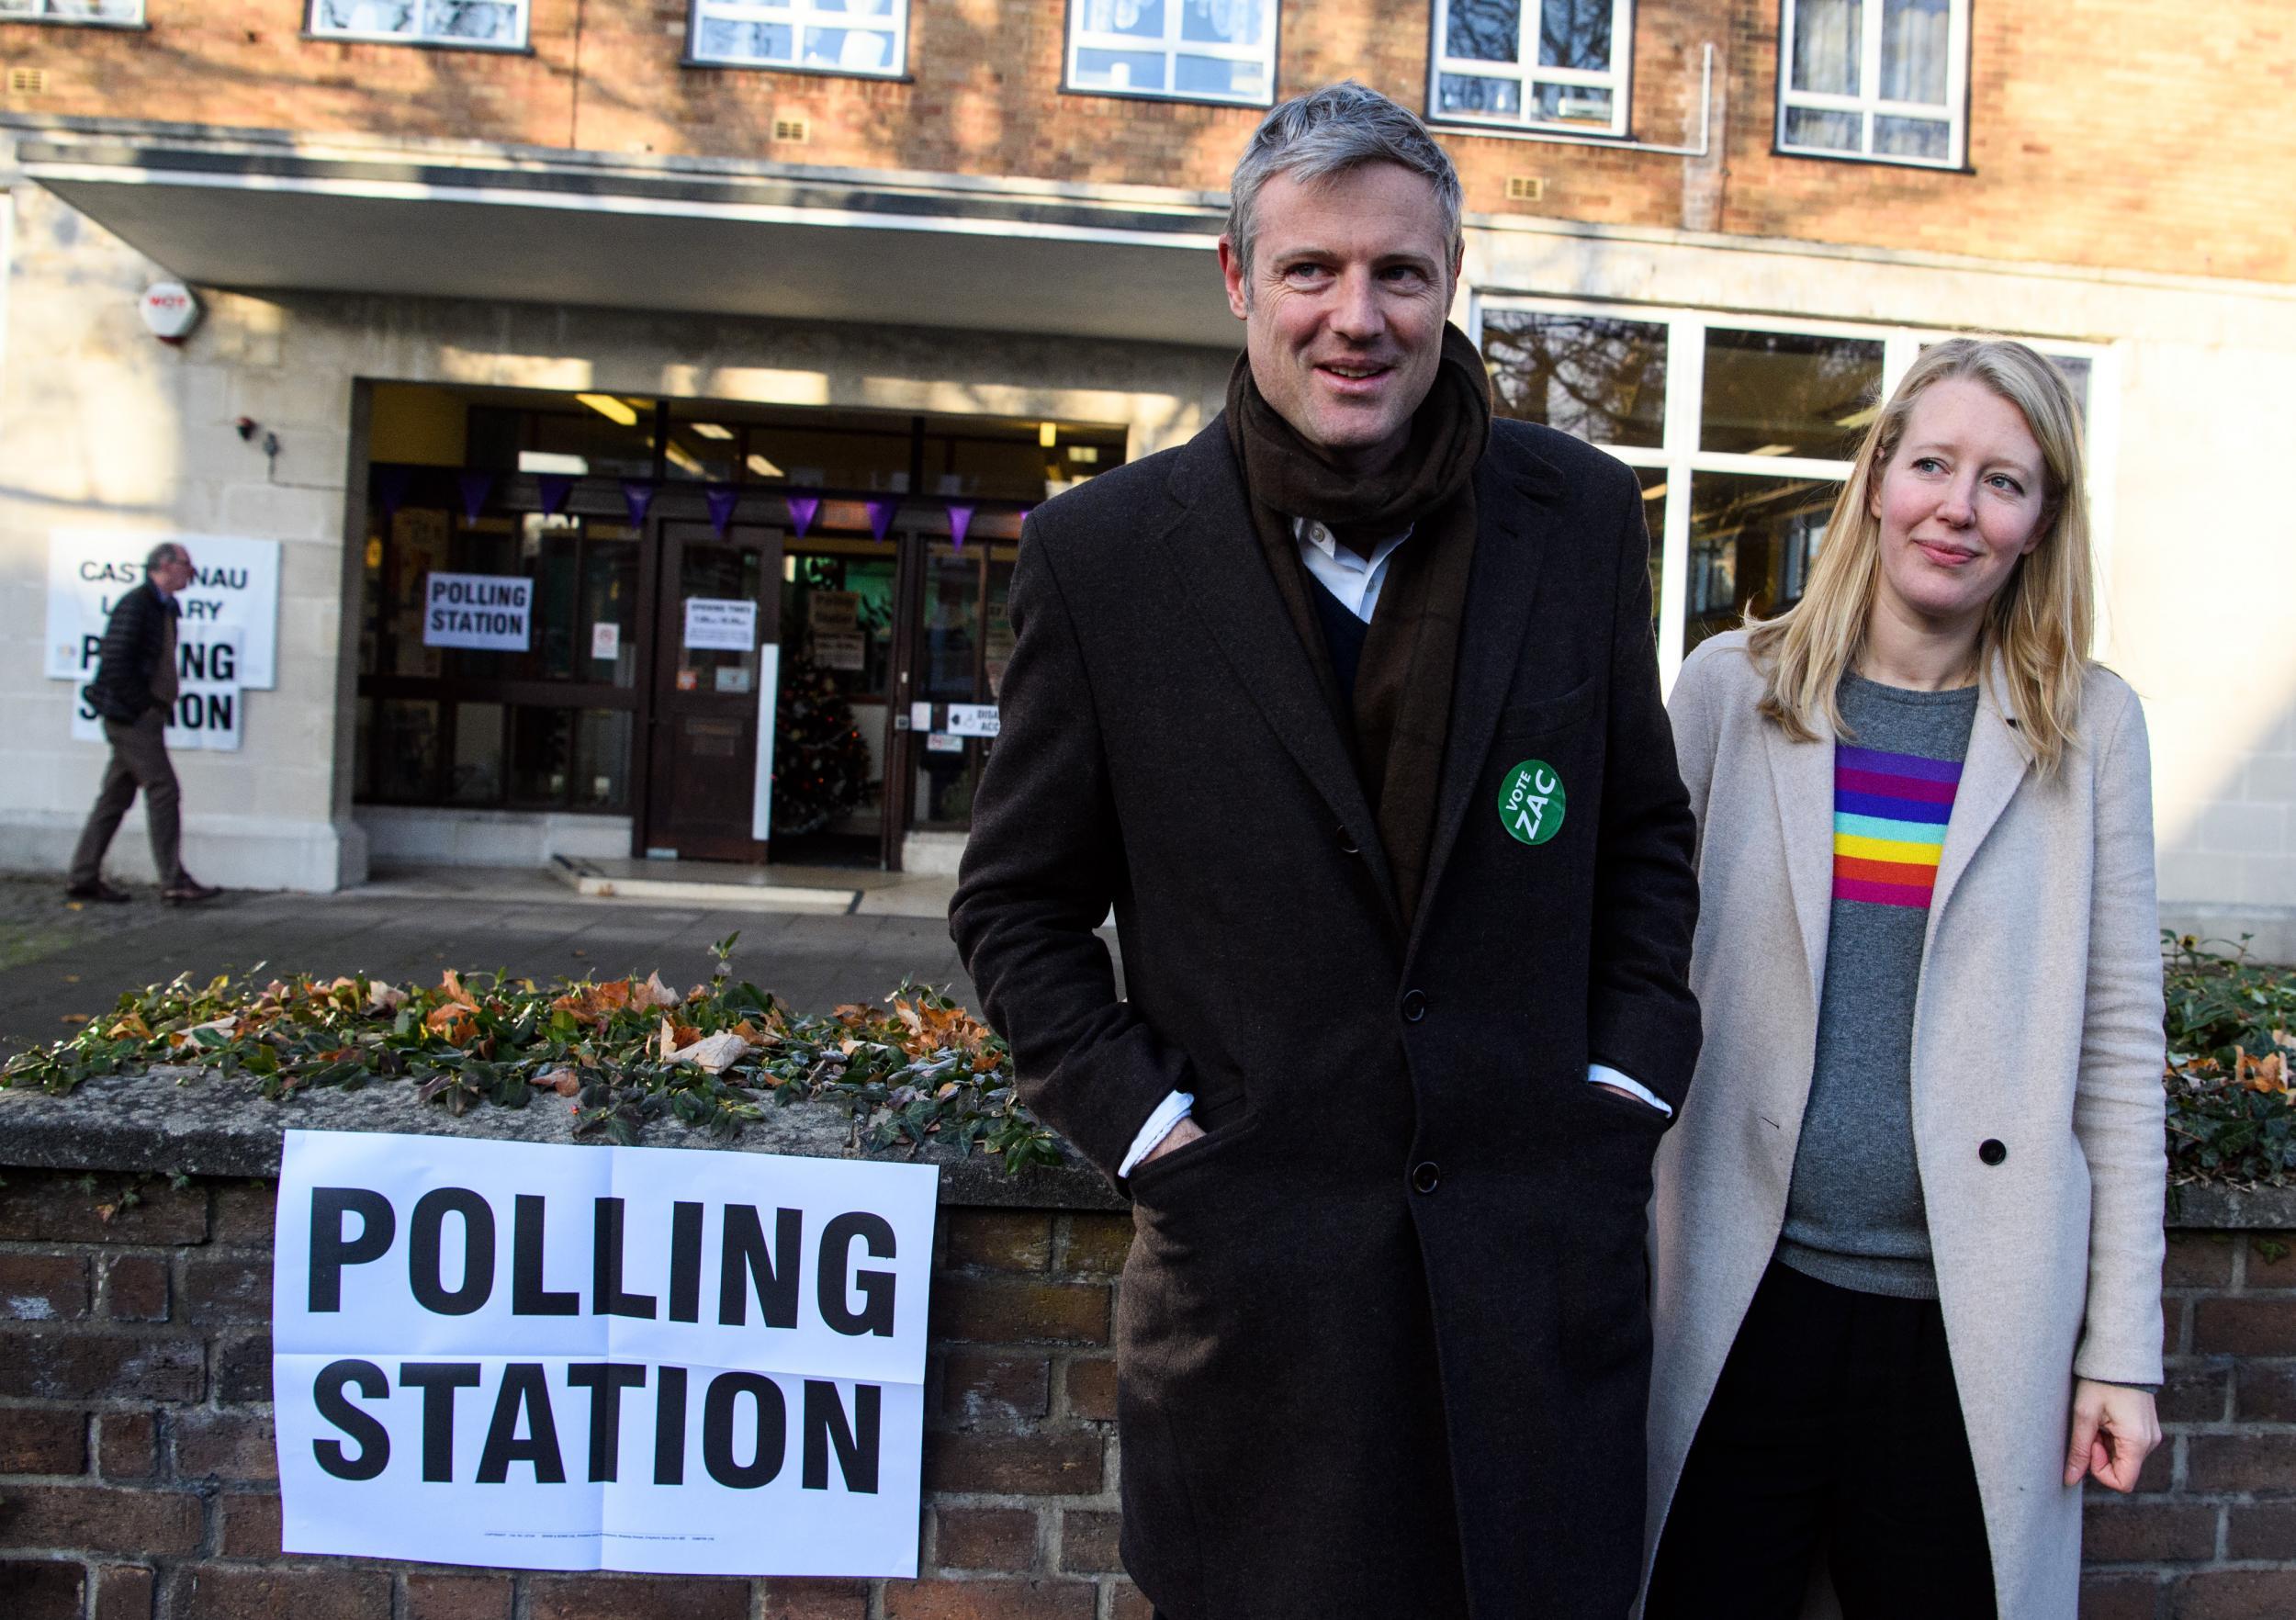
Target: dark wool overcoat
point(1383, 1347)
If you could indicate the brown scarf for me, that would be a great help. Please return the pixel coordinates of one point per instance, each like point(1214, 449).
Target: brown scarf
point(1402, 712)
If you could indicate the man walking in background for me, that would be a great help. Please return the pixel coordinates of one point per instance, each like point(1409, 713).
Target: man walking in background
point(135, 686)
point(1350, 708)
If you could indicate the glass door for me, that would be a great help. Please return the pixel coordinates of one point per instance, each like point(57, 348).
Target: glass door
point(834, 731)
point(715, 608)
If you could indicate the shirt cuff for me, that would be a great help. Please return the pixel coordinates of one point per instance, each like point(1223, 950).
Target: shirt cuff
point(1603, 1075)
point(1174, 1108)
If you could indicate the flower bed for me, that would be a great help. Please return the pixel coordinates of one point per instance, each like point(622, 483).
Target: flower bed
point(618, 1054)
point(2232, 1110)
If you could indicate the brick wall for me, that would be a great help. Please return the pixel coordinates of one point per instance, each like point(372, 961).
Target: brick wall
point(2111, 133)
point(137, 1479)
point(2211, 1532)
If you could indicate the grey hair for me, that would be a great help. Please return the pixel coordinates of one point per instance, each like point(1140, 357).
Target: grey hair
point(1327, 132)
point(160, 555)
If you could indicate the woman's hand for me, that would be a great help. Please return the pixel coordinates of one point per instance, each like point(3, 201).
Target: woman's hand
point(2114, 1430)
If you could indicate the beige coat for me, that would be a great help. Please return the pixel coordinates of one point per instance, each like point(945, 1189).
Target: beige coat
point(2037, 1024)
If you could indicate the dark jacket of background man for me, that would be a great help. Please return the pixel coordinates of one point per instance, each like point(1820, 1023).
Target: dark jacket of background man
point(1388, 1320)
point(134, 663)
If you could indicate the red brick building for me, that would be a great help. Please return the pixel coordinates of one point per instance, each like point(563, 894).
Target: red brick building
point(897, 257)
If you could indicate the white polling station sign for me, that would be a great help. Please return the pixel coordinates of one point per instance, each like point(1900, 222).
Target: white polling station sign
point(550, 1358)
point(234, 587)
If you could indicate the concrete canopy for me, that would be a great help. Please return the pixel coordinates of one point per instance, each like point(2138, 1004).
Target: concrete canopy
point(893, 248)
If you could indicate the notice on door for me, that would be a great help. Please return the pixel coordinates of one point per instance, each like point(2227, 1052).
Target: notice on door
point(721, 624)
point(553, 1358)
point(840, 649)
point(972, 719)
point(486, 613)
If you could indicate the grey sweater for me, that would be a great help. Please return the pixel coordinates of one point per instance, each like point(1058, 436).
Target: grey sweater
point(1855, 1216)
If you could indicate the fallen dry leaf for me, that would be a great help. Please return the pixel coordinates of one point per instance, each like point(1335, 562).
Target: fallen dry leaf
point(711, 1054)
point(74, 1018)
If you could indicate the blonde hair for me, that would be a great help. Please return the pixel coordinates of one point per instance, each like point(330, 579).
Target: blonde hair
point(2040, 621)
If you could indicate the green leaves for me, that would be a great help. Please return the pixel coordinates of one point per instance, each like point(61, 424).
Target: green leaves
point(2232, 1110)
point(619, 1055)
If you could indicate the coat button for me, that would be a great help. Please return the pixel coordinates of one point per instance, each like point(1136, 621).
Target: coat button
point(1424, 1175)
point(1991, 1152)
point(1414, 1006)
point(1347, 843)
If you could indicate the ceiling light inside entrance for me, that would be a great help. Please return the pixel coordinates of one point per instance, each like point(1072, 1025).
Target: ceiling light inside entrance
point(710, 430)
point(1047, 433)
point(614, 410)
point(764, 469)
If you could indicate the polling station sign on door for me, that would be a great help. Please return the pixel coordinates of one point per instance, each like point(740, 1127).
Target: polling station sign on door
point(226, 628)
point(547, 1358)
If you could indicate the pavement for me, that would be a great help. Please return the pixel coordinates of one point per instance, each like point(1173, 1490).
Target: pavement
point(56, 960)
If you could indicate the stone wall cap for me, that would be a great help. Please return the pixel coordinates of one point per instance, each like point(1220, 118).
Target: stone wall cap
point(194, 1122)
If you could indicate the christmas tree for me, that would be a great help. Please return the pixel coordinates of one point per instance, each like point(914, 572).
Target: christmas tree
point(820, 761)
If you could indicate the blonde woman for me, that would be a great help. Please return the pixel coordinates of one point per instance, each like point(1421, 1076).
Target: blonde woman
point(1907, 1291)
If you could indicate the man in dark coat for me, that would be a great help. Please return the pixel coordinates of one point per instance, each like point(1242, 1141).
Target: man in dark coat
point(134, 687)
point(1349, 708)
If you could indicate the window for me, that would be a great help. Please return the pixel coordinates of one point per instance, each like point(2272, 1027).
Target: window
point(1741, 430)
point(1561, 67)
point(1883, 80)
point(113, 13)
point(1183, 50)
point(865, 36)
point(484, 25)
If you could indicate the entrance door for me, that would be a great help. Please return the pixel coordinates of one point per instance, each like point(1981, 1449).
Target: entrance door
point(717, 600)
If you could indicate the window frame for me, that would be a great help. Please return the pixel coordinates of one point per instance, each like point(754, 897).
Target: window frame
point(1074, 39)
point(1677, 455)
point(522, 44)
point(799, 14)
point(1618, 79)
point(44, 11)
point(1953, 111)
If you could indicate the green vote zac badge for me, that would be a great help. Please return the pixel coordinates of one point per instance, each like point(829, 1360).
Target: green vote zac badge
point(1531, 801)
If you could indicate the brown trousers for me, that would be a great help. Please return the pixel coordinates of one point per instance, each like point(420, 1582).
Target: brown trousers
point(138, 760)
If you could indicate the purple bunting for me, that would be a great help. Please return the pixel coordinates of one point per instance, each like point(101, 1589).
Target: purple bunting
point(960, 520)
point(556, 487)
point(390, 489)
point(801, 512)
point(637, 495)
point(880, 516)
point(476, 488)
point(722, 498)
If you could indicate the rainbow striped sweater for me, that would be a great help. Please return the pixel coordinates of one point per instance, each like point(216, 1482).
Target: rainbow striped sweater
point(1854, 1213)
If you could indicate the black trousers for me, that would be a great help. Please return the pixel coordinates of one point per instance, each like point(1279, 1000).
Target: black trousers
point(1835, 1423)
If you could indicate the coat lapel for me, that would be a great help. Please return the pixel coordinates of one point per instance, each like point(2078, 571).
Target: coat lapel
point(1217, 556)
point(1995, 764)
point(1513, 502)
point(1802, 774)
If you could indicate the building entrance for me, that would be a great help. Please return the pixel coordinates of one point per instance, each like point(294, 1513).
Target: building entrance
point(754, 633)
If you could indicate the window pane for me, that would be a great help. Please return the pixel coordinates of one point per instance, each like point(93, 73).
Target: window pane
point(1574, 104)
point(478, 773)
point(1211, 75)
point(2076, 371)
point(1484, 31)
point(1119, 69)
point(1915, 37)
point(364, 16)
point(1457, 93)
point(1226, 22)
point(1824, 131)
point(1777, 393)
point(18, 7)
point(609, 599)
point(405, 750)
point(852, 50)
point(1144, 19)
point(601, 760)
point(1751, 542)
point(1575, 34)
point(1827, 36)
point(1913, 138)
point(1599, 379)
point(542, 756)
point(746, 41)
point(487, 21)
